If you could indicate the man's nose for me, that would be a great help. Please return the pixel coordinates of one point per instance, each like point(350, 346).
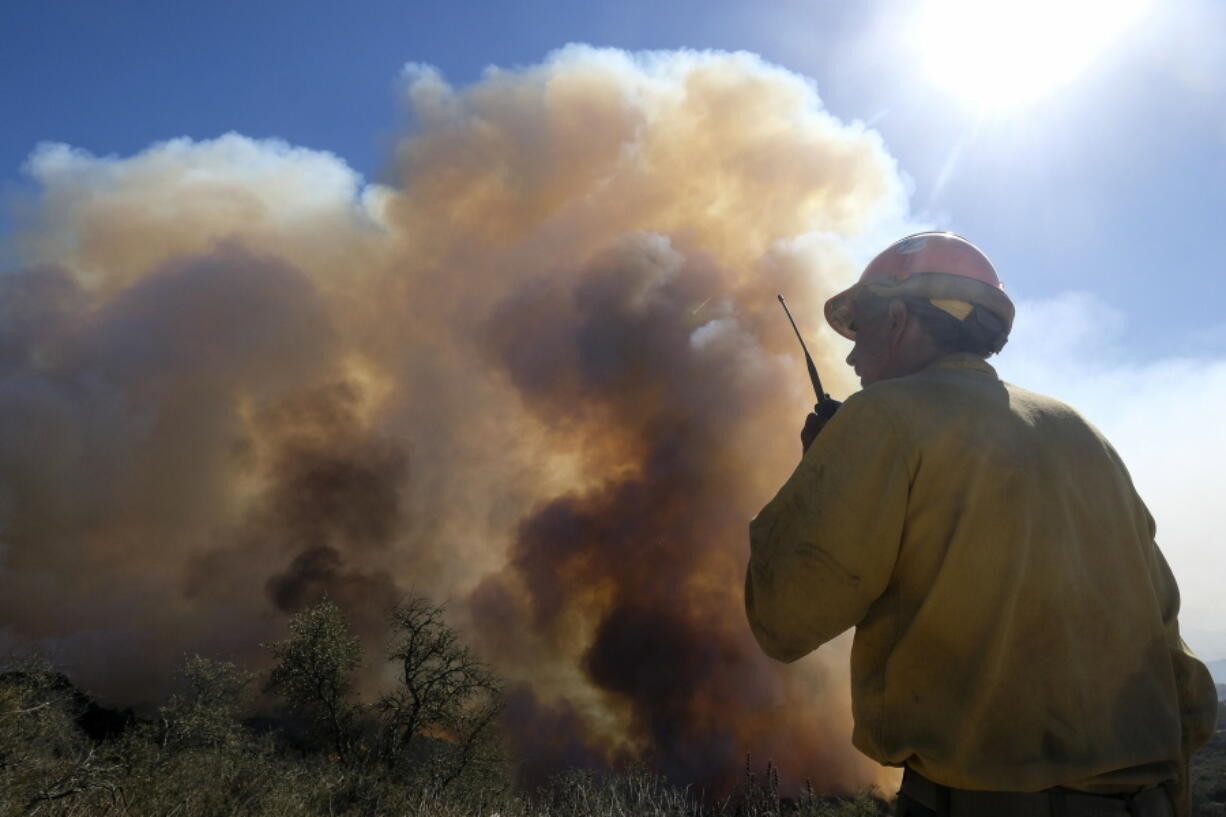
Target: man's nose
point(851, 357)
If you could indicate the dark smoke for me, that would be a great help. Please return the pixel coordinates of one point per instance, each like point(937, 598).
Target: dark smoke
point(650, 557)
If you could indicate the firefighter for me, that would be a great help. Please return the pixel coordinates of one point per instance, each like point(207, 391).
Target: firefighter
point(1017, 646)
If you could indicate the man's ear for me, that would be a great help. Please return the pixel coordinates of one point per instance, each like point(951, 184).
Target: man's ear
point(896, 313)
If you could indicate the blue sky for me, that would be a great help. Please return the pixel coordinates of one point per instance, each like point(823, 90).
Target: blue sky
point(1114, 183)
point(1101, 201)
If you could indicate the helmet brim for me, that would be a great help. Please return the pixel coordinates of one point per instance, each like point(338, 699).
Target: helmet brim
point(841, 309)
point(841, 312)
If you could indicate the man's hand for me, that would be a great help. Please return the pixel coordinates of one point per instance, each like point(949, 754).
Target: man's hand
point(816, 421)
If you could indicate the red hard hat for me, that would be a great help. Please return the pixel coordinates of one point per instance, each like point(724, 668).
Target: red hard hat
point(945, 268)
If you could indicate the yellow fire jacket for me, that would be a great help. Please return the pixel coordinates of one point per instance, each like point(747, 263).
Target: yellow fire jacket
point(1015, 621)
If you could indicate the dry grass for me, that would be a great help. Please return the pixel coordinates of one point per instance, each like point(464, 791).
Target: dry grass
point(207, 763)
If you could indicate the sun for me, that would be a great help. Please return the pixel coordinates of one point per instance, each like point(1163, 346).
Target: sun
point(1005, 53)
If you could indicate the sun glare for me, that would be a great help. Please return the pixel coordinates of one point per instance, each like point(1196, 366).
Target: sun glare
point(1005, 53)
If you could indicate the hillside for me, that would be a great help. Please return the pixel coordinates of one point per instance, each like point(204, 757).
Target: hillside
point(1209, 774)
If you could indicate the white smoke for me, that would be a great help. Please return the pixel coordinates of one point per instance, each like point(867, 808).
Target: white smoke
point(234, 377)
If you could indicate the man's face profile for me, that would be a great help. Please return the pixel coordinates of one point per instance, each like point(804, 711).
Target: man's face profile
point(872, 354)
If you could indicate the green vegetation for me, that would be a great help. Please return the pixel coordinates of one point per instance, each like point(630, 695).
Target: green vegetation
point(425, 747)
point(313, 676)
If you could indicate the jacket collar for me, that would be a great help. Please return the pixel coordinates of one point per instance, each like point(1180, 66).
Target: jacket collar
point(964, 361)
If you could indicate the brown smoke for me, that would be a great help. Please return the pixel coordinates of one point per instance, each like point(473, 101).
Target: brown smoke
point(539, 375)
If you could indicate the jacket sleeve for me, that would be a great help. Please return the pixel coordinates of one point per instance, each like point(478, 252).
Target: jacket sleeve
point(823, 550)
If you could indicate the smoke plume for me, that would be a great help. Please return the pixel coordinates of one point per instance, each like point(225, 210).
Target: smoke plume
point(538, 374)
